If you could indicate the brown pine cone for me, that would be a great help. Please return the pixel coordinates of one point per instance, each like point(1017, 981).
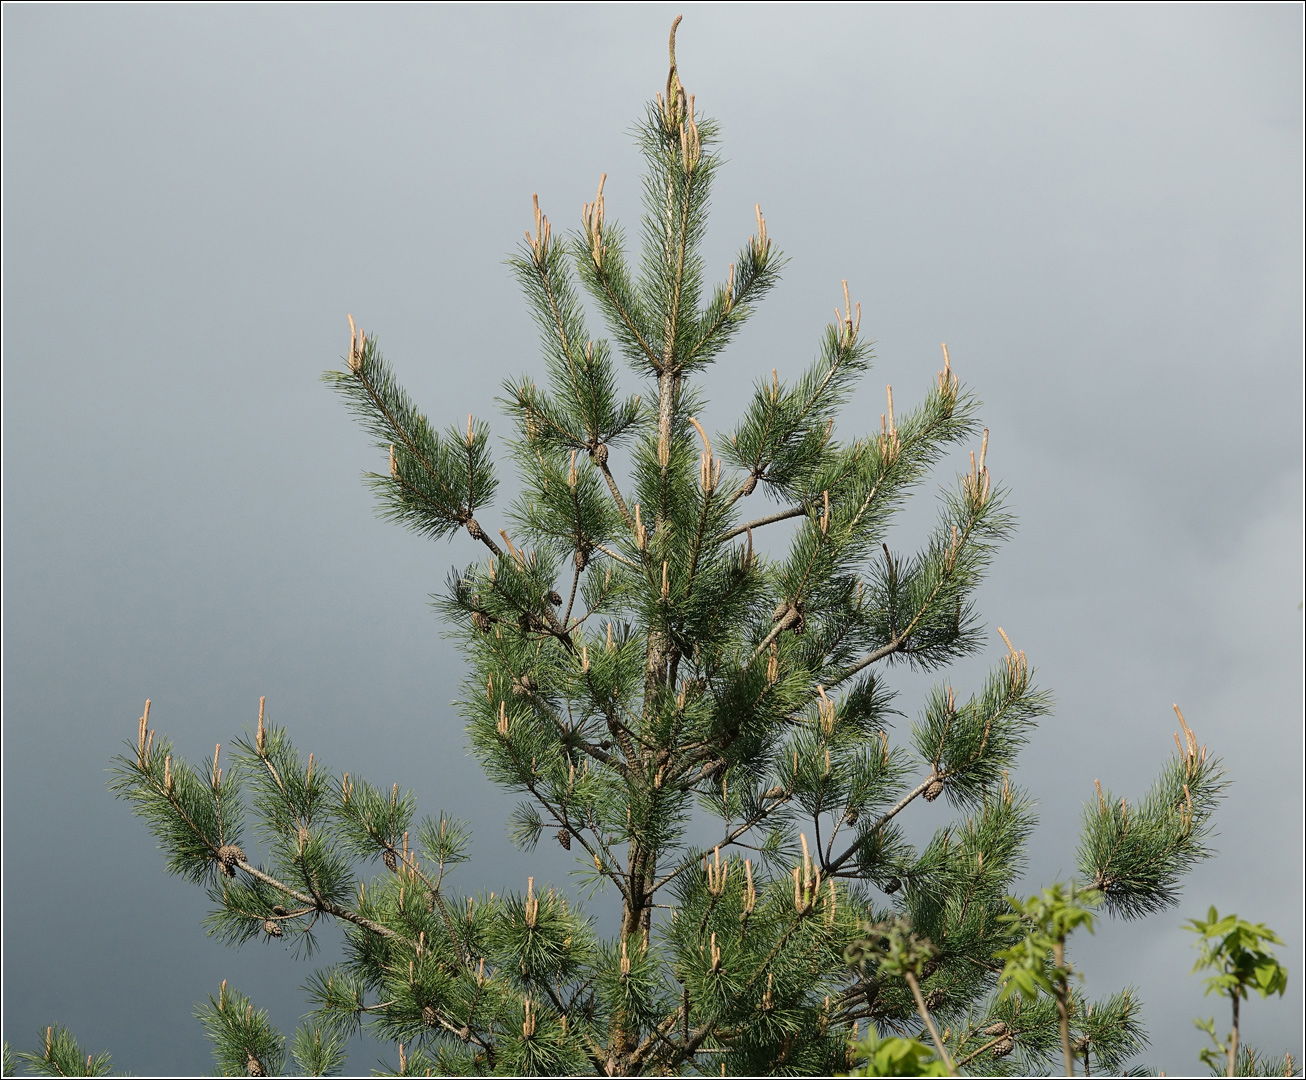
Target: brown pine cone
point(429, 1016)
point(254, 1067)
point(229, 855)
point(1004, 1046)
point(934, 790)
point(564, 838)
point(790, 616)
point(272, 928)
point(391, 860)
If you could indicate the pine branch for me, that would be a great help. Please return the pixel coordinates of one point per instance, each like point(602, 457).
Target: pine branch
point(1137, 858)
point(318, 903)
point(423, 488)
point(883, 820)
point(769, 519)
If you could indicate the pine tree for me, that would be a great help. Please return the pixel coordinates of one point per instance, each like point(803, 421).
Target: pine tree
point(638, 655)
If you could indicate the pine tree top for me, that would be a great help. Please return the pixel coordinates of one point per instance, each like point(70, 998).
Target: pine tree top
point(642, 655)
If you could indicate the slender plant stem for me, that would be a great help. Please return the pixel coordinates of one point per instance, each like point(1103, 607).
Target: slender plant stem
point(1233, 1037)
point(929, 1023)
point(1063, 1006)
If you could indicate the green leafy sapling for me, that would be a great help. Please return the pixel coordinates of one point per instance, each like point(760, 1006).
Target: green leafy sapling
point(901, 954)
point(1037, 962)
point(1233, 949)
point(895, 1056)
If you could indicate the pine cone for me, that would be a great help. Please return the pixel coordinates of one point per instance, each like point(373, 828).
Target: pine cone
point(790, 616)
point(481, 621)
point(934, 998)
point(229, 855)
point(564, 838)
point(254, 1067)
point(429, 1016)
point(272, 928)
point(773, 793)
point(553, 598)
point(524, 685)
point(391, 860)
point(277, 909)
point(582, 557)
point(852, 815)
point(892, 885)
point(600, 454)
point(934, 790)
point(994, 1030)
point(1004, 1047)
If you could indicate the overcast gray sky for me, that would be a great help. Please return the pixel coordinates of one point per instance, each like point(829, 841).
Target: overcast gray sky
point(1097, 208)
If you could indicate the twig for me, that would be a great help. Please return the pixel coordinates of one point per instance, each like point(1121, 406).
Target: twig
point(929, 1023)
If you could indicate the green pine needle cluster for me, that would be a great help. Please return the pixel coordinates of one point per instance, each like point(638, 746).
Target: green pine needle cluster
point(60, 1055)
